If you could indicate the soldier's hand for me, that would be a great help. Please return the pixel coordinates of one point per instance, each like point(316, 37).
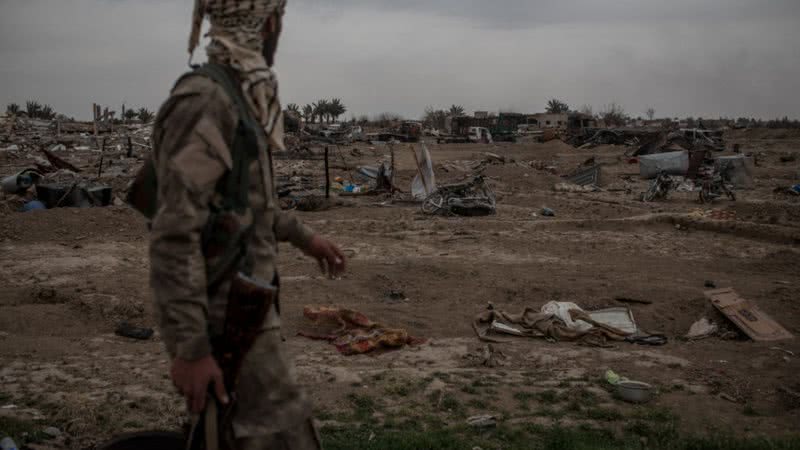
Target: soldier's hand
point(192, 379)
point(331, 260)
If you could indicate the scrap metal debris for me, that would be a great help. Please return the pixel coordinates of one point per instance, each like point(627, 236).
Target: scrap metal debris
point(470, 198)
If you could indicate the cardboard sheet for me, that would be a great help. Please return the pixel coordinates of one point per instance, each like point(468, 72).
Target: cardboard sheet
point(747, 316)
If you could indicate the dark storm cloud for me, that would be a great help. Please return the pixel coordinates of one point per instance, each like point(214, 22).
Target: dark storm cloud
point(700, 57)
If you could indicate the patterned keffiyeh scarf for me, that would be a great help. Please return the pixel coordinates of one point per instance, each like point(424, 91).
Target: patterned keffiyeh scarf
point(236, 41)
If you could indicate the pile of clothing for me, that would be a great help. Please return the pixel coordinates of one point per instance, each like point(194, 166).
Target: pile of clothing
point(352, 332)
point(564, 321)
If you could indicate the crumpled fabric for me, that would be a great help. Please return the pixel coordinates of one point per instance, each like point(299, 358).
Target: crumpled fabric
point(533, 322)
point(351, 332)
point(236, 41)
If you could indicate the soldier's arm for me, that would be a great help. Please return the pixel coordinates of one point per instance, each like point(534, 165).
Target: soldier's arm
point(191, 155)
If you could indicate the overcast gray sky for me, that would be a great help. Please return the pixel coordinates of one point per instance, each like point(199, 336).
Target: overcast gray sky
point(683, 57)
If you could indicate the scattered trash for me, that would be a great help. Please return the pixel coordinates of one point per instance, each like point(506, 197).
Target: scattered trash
point(555, 320)
point(52, 432)
point(634, 391)
point(547, 212)
point(632, 300)
point(8, 444)
point(586, 176)
point(471, 198)
point(127, 330)
point(424, 184)
point(629, 390)
point(352, 332)
point(21, 182)
point(492, 357)
point(482, 421)
point(747, 316)
point(569, 187)
point(701, 329)
point(33, 205)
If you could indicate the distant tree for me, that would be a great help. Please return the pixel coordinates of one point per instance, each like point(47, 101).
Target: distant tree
point(435, 118)
point(13, 109)
point(555, 106)
point(321, 110)
point(456, 110)
point(650, 113)
point(587, 109)
point(336, 108)
point(293, 107)
point(47, 113)
point(144, 115)
point(129, 115)
point(614, 115)
point(308, 113)
point(33, 108)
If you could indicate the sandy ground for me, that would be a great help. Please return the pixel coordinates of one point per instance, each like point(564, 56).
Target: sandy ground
point(68, 276)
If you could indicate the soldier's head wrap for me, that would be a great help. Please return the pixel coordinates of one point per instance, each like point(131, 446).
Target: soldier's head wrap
point(236, 41)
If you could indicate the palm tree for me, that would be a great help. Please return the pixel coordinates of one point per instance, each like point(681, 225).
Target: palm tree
point(456, 110)
point(555, 106)
point(12, 109)
point(129, 115)
point(47, 112)
point(144, 115)
point(337, 108)
point(33, 108)
point(308, 113)
point(321, 109)
point(293, 107)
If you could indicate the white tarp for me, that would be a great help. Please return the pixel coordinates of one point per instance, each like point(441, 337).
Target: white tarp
point(424, 183)
point(674, 163)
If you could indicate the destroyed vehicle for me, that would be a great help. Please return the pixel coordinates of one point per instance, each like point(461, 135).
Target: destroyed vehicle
point(470, 198)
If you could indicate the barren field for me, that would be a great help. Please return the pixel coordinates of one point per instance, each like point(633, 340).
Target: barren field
point(69, 276)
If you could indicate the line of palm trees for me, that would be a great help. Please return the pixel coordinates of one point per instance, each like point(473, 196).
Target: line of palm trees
point(326, 110)
point(33, 109)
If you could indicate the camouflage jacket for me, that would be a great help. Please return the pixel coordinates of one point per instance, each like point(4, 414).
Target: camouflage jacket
point(192, 138)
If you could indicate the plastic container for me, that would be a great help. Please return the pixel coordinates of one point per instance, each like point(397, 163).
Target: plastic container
point(7, 444)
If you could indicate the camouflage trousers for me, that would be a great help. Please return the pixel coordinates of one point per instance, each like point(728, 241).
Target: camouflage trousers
point(272, 411)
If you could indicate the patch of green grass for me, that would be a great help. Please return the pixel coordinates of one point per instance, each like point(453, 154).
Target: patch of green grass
point(399, 389)
point(549, 412)
point(21, 431)
point(662, 415)
point(363, 406)
point(482, 382)
point(322, 414)
point(442, 376)
point(749, 411)
point(469, 389)
point(432, 434)
point(549, 397)
point(478, 403)
point(603, 414)
point(450, 403)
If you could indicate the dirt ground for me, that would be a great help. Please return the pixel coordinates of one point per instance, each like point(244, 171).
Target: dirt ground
point(68, 276)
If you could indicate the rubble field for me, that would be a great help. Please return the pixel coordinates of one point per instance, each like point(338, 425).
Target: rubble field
point(69, 276)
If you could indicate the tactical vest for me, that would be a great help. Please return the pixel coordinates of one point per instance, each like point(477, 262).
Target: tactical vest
point(220, 240)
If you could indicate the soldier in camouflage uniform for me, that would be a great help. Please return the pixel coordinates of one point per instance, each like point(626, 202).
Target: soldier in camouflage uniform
point(192, 141)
